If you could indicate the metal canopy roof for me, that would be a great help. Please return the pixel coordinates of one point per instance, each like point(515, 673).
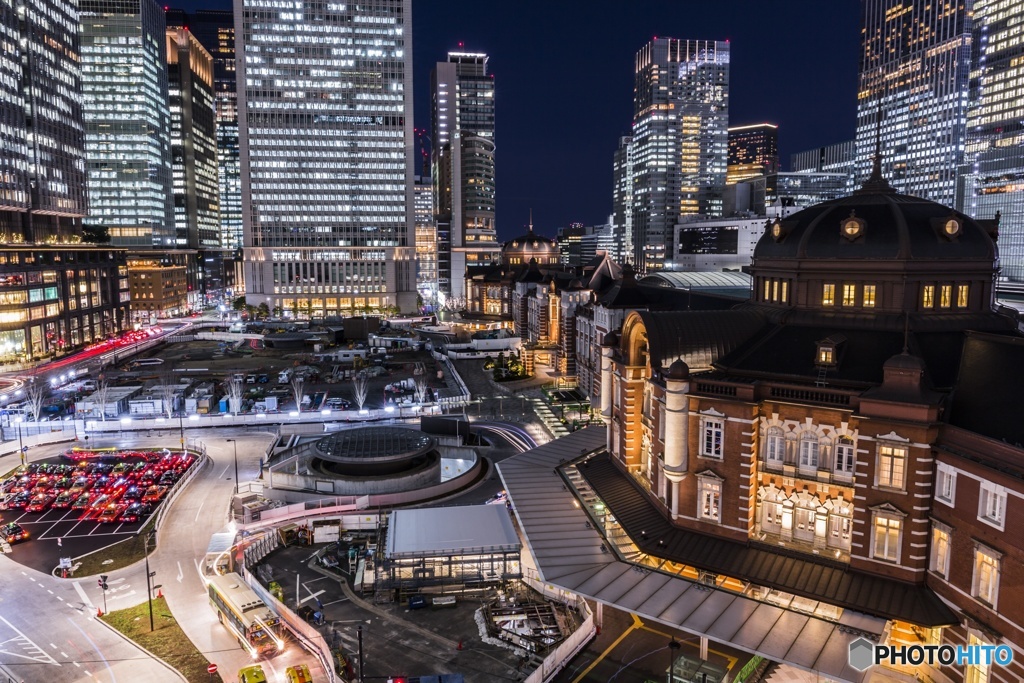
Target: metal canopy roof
point(567, 551)
point(468, 529)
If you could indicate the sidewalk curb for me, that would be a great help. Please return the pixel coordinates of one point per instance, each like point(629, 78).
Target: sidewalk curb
point(451, 645)
point(151, 655)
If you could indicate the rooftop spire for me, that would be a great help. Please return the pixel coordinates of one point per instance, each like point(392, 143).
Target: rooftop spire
point(531, 221)
point(876, 182)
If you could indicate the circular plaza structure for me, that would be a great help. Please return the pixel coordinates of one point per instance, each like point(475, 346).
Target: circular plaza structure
point(366, 460)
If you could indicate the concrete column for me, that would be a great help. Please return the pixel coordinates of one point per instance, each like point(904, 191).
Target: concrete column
point(677, 430)
point(606, 383)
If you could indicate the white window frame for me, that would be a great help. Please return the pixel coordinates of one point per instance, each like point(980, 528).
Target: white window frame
point(808, 438)
point(775, 447)
point(709, 427)
point(775, 508)
point(890, 553)
point(845, 461)
point(840, 530)
point(945, 484)
point(941, 546)
point(709, 499)
point(987, 570)
point(992, 505)
point(899, 452)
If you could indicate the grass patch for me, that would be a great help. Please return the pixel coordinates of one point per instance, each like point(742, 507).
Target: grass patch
point(167, 641)
point(121, 554)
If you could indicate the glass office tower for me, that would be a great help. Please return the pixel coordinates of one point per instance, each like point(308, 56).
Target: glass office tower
point(753, 151)
point(913, 80)
point(463, 166)
point(622, 201)
point(127, 121)
point(326, 140)
point(42, 161)
point(215, 30)
point(993, 178)
point(680, 140)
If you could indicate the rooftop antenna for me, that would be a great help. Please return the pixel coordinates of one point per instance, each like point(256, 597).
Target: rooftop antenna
point(531, 220)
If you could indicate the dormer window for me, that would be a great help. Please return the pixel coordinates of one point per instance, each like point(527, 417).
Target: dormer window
point(826, 354)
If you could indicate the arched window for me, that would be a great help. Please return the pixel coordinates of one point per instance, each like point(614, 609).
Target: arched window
point(774, 447)
point(846, 458)
point(809, 450)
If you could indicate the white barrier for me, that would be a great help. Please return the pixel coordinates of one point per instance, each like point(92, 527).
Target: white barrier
point(558, 658)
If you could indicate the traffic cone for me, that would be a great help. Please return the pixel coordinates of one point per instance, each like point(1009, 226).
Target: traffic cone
point(99, 612)
point(159, 593)
point(460, 645)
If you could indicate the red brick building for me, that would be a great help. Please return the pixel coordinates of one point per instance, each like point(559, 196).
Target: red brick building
point(838, 421)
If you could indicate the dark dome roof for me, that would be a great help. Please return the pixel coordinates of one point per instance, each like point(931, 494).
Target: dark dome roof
point(530, 243)
point(895, 226)
point(678, 370)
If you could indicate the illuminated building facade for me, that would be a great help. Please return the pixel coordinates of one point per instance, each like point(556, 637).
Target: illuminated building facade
point(215, 30)
point(993, 178)
point(426, 240)
point(622, 201)
point(193, 141)
point(127, 121)
point(325, 134)
point(679, 142)
point(753, 151)
point(913, 78)
point(463, 167)
point(42, 162)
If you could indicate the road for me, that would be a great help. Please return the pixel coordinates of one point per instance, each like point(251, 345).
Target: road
point(200, 511)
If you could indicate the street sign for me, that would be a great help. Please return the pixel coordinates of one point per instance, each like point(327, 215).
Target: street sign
point(24, 449)
point(212, 669)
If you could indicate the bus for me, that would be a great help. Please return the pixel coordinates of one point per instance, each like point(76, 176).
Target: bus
point(245, 615)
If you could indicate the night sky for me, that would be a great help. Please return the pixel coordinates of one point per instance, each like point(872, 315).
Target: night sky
point(564, 83)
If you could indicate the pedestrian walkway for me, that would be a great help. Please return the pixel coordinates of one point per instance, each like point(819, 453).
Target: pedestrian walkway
point(551, 421)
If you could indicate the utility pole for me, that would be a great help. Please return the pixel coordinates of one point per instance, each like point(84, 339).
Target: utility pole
point(359, 632)
point(149, 576)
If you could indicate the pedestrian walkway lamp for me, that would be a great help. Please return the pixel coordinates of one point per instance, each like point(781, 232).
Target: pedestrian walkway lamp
point(234, 448)
point(181, 428)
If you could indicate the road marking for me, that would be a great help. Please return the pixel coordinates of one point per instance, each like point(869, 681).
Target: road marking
point(29, 650)
point(49, 591)
point(334, 601)
point(53, 646)
point(181, 574)
point(60, 598)
point(311, 596)
point(305, 583)
point(81, 594)
point(124, 595)
point(199, 510)
point(78, 665)
point(116, 581)
point(64, 655)
point(634, 626)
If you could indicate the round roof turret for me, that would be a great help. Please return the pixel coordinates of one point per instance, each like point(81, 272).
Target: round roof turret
point(678, 370)
point(610, 339)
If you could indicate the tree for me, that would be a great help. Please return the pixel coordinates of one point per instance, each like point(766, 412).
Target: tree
point(236, 391)
point(166, 392)
point(421, 390)
point(36, 391)
point(360, 385)
point(101, 396)
point(263, 311)
point(297, 385)
point(238, 303)
point(277, 311)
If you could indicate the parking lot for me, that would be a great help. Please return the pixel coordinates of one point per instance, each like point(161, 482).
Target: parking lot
point(84, 500)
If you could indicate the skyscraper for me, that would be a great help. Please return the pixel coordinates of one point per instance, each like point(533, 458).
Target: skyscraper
point(463, 165)
point(55, 295)
point(753, 151)
point(325, 133)
point(42, 166)
point(426, 240)
point(622, 201)
point(193, 141)
point(680, 140)
point(215, 30)
point(992, 177)
point(913, 83)
point(127, 121)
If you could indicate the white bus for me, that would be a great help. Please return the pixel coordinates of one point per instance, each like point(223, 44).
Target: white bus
point(245, 615)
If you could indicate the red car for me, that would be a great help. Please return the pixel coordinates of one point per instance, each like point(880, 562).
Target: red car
point(39, 503)
point(14, 533)
point(154, 494)
point(64, 500)
point(111, 513)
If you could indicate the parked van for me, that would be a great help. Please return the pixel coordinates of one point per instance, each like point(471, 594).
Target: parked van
point(284, 377)
point(252, 674)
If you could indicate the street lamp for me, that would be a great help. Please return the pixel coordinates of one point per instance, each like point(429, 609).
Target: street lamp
point(234, 448)
point(149, 575)
point(181, 428)
point(21, 446)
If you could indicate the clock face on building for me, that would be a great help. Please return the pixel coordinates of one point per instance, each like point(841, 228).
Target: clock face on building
point(776, 230)
point(952, 227)
point(852, 228)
